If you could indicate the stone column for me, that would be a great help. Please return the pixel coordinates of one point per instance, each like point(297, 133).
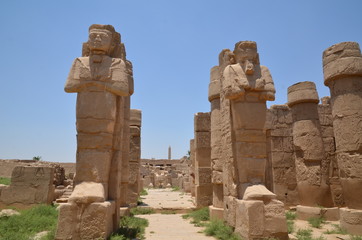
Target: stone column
point(192, 167)
point(203, 192)
point(342, 67)
point(309, 153)
point(217, 208)
point(135, 157)
point(103, 80)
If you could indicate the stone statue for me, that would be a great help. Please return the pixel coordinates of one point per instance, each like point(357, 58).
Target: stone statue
point(246, 75)
point(248, 86)
point(103, 80)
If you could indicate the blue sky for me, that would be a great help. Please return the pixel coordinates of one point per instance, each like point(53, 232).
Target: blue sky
point(172, 45)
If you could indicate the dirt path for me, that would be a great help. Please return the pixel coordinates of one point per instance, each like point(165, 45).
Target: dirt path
point(170, 226)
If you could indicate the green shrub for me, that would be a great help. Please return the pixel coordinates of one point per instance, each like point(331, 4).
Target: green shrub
point(336, 230)
point(141, 211)
point(143, 192)
point(316, 222)
point(198, 216)
point(174, 189)
point(306, 234)
point(168, 212)
point(29, 222)
point(290, 215)
point(130, 228)
point(353, 237)
point(290, 225)
point(220, 231)
point(5, 181)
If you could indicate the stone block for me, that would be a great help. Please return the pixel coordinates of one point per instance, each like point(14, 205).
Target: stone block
point(250, 135)
point(202, 140)
point(102, 107)
point(216, 213)
point(203, 176)
point(302, 92)
point(29, 185)
point(336, 59)
point(218, 195)
point(97, 221)
point(94, 141)
point(282, 159)
point(91, 125)
point(214, 90)
point(93, 165)
point(329, 214)
point(202, 122)
point(275, 221)
point(135, 117)
point(230, 210)
point(351, 220)
point(352, 192)
point(203, 195)
point(217, 177)
point(250, 221)
point(253, 117)
point(254, 150)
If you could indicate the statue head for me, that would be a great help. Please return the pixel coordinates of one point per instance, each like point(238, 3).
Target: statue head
point(246, 54)
point(103, 39)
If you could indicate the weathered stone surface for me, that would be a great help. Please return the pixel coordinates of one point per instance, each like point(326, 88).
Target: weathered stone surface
point(258, 192)
point(342, 68)
point(29, 185)
point(329, 214)
point(202, 122)
point(309, 150)
point(261, 216)
point(351, 220)
point(302, 92)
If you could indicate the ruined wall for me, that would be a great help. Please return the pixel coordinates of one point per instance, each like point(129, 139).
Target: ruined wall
point(30, 185)
point(7, 166)
point(281, 174)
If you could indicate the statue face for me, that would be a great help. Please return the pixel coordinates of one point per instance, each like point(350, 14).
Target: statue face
point(248, 59)
point(99, 40)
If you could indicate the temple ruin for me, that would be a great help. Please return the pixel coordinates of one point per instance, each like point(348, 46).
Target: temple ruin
point(246, 163)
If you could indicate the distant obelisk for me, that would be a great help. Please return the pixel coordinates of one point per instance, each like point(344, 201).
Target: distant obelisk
point(169, 152)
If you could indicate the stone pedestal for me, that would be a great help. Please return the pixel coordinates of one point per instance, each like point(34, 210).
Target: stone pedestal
point(260, 215)
point(78, 221)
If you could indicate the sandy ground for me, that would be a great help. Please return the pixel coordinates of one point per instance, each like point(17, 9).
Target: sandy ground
point(317, 232)
point(170, 226)
point(173, 226)
point(165, 198)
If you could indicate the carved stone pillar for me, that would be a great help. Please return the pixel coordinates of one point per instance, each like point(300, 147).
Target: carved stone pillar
point(342, 67)
point(203, 190)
